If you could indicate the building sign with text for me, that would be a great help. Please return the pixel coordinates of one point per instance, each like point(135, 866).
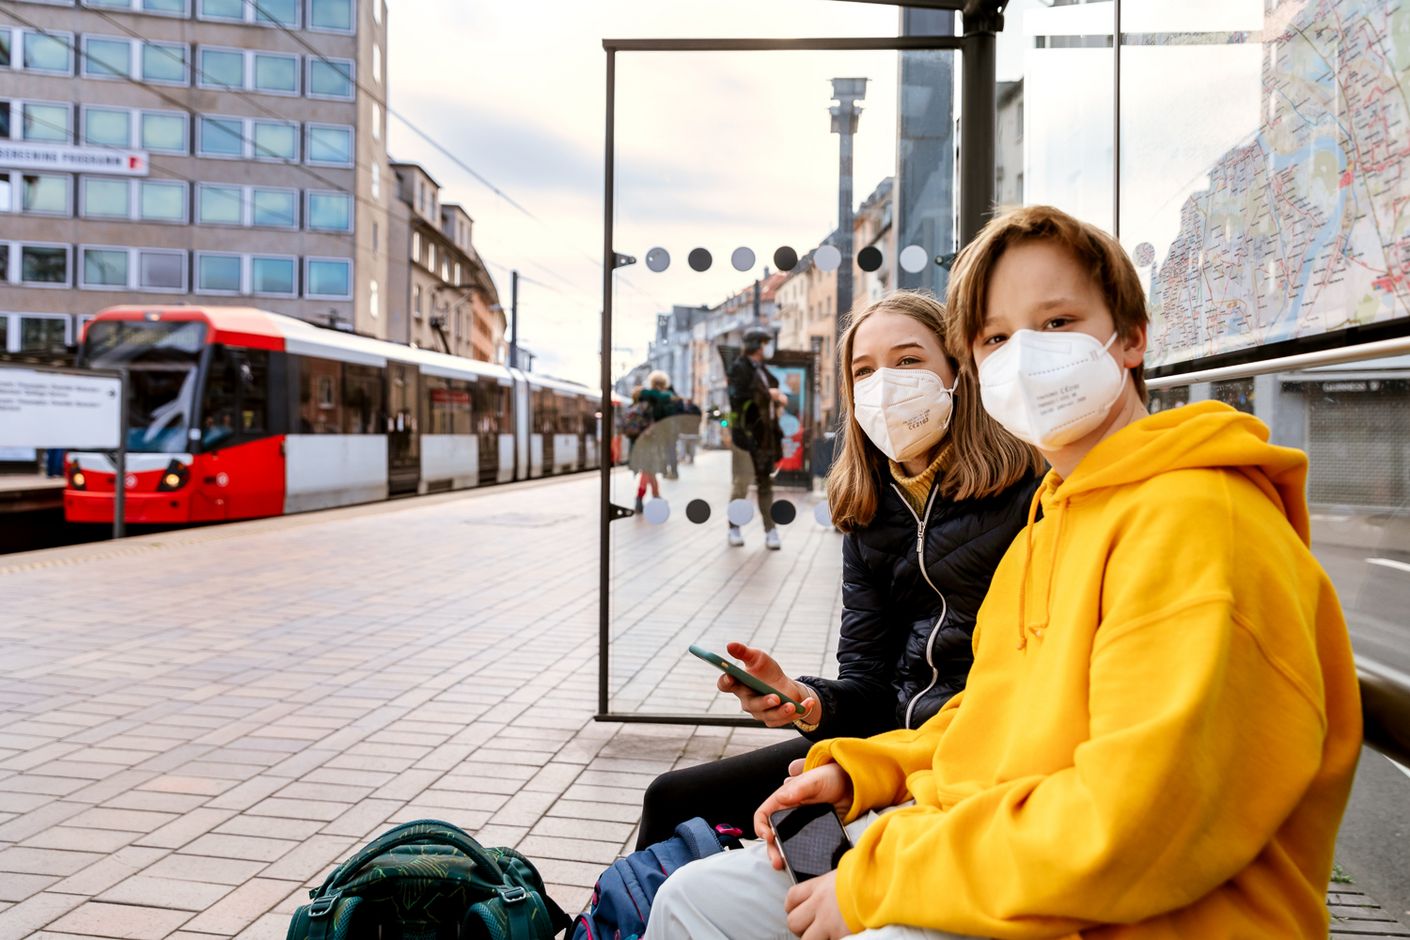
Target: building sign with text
point(23, 155)
point(43, 408)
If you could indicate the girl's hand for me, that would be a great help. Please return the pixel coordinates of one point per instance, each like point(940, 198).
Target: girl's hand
point(770, 709)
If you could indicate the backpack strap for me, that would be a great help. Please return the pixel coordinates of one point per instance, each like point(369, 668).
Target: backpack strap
point(700, 837)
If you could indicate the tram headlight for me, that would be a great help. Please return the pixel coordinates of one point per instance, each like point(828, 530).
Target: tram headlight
point(173, 478)
point(77, 480)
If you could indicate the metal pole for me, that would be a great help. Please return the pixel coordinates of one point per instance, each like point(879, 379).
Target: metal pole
point(514, 325)
point(609, 265)
point(120, 463)
point(977, 120)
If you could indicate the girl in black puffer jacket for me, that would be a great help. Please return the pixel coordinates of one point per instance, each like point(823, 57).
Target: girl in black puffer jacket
point(929, 492)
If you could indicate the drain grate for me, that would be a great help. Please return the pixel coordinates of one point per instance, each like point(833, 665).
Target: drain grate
point(1354, 914)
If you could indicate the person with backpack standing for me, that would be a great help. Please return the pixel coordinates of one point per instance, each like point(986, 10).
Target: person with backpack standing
point(929, 492)
point(648, 454)
point(755, 438)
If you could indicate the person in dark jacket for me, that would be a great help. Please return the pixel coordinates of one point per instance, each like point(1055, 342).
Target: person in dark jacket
point(929, 493)
point(754, 431)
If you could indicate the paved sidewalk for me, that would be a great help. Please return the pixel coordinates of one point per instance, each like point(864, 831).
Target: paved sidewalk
point(196, 726)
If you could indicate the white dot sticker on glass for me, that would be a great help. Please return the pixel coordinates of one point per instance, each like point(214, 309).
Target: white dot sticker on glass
point(739, 512)
point(823, 514)
point(657, 511)
point(827, 258)
point(913, 259)
point(742, 259)
point(658, 260)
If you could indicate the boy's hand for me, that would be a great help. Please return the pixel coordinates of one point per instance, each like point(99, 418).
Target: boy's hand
point(767, 708)
point(813, 912)
point(826, 784)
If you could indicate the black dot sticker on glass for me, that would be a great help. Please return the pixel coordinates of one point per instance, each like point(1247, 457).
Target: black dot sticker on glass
point(783, 512)
point(699, 259)
point(869, 258)
point(697, 511)
point(785, 259)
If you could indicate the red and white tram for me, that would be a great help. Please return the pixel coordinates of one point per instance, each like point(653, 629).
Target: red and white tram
point(235, 413)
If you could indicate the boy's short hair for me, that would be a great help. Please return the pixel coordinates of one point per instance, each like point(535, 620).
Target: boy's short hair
point(1113, 272)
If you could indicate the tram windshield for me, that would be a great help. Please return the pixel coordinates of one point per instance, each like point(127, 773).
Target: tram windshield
point(161, 360)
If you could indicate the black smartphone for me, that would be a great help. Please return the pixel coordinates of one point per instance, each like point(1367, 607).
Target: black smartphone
point(811, 839)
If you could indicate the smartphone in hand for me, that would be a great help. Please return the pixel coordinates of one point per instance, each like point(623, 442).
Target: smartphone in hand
point(810, 838)
point(732, 670)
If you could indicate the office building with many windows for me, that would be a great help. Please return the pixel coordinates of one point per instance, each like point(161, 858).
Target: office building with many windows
point(191, 151)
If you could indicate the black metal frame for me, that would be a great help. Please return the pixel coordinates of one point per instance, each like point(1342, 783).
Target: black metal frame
point(972, 213)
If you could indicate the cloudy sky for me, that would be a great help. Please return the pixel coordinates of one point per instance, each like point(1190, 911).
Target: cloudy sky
point(723, 151)
point(714, 151)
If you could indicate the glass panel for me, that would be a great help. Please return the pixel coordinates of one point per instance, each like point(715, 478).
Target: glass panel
point(105, 267)
point(162, 201)
point(722, 446)
point(4, 264)
point(328, 278)
point(46, 193)
point(220, 205)
point(331, 14)
point(107, 127)
point(42, 265)
point(284, 12)
point(6, 41)
point(106, 198)
point(331, 212)
point(165, 6)
point(107, 58)
point(276, 73)
point(4, 120)
point(164, 133)
point(49, 122)
point(111, 343)
point(276, 141)
point(222, 68)
point(7, 204)
point(48, 53)
point(218, 273)
point(164, 62)
point(330, 145)
point(273, 276)
point(276, 207)
point(222, 137)
point(223, 9)
point(332, 78)
point(162, 270)
point(159, 405)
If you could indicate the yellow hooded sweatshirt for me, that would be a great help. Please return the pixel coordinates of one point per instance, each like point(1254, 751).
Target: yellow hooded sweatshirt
point(1162, 721)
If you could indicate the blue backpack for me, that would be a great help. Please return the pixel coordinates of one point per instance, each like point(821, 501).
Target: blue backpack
point(621, 899)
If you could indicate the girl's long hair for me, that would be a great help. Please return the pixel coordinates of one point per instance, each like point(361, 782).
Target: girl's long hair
point(984, 458)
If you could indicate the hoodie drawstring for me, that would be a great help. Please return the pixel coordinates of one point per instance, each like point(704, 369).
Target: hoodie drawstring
point(1027, 565)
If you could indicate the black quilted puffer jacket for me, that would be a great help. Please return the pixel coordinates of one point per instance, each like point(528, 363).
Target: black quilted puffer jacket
point(905, 643)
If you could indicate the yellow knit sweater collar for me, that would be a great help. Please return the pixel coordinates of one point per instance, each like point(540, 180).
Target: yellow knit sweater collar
point(917, 488)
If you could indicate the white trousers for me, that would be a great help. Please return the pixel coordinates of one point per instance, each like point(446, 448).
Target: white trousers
point(739, 896)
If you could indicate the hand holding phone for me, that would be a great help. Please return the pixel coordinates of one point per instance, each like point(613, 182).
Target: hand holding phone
point(810, 838)
point(755, 684)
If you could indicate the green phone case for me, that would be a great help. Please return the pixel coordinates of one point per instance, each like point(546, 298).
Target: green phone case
point(732, 670)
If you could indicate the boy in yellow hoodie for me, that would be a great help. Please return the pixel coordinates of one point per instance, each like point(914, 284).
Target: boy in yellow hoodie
point(1162, 721)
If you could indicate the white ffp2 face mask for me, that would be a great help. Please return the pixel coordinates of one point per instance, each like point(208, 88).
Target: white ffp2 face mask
point(1050, 389)
point(903, 411)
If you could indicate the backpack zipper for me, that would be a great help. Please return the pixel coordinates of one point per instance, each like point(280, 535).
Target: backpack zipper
point(944, 605)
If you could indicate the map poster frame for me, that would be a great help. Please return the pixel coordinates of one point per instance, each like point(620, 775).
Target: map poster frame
point(1293, 239)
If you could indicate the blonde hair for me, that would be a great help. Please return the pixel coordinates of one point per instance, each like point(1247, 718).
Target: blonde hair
point(1101, 255)
point(658, 380)
point(984, 458)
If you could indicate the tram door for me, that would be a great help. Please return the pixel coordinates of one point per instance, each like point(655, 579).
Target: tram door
point(403, 436)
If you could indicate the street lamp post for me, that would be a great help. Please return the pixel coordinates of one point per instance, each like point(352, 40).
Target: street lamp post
point(846, 92)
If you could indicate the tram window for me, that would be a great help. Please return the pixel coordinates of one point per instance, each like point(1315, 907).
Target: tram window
point(219, 404)
point(252, 370)
point(320, 396)
point(489, 414)
point(364, 406)
point(462, 407)
point(448, 405)
point(543, 411)
point(568, 419)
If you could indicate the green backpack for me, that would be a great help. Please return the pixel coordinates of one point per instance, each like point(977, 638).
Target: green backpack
point(429, 880)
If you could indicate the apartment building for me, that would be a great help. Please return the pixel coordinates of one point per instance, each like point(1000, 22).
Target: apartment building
point(191, 151)
point(442, 297)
